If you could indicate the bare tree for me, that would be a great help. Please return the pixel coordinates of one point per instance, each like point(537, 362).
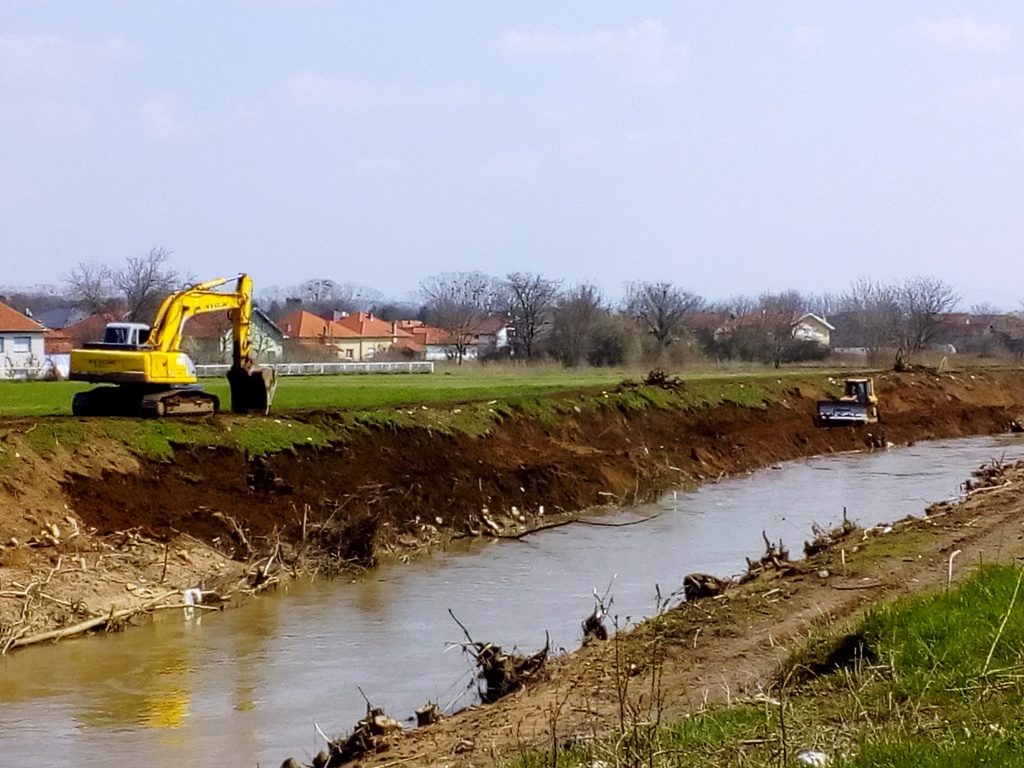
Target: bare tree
point(145, 282)
point(775, 317)
point(322, 296)
point(91, 286)
point(574, 321)
point(457, 303)
point(871, 308)
point(919, 301)
point(531, 300)
point(737, 306)
point(662, 308)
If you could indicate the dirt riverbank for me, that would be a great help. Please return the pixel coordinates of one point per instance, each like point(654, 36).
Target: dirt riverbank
point(95, 529)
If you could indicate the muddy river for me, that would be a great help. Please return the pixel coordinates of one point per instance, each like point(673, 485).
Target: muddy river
point(250, 685)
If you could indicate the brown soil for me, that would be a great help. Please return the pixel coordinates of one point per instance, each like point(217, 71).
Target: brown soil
point(131, 528)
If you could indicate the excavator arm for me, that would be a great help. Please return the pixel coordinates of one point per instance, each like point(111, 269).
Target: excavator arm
point(176, 309)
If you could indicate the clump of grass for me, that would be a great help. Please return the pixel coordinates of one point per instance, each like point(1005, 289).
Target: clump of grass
point(45, 437)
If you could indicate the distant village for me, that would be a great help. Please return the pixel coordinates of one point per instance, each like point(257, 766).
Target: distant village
point(473, 319)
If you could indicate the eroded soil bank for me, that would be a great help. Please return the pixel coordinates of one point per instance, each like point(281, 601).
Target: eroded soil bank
point(96, 528)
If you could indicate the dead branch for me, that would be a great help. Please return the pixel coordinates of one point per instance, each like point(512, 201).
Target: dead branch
point(156, 603)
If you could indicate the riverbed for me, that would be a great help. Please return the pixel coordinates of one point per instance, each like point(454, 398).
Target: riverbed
point(250, 685)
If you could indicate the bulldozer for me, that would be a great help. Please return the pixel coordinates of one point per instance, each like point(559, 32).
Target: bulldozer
point(857, 405)
point(145, 373)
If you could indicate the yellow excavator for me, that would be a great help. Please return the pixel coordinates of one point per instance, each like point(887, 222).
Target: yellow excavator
point(150, 374)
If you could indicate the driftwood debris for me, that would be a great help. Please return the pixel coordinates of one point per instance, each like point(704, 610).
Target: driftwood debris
point(428, 714)
point(107, 621)
point(502, 673)
point(698, 586)
point(826, 538)
point(593, 626)
point(775, 556)
point(373, 734)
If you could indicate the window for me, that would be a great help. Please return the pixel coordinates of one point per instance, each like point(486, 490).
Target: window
point(348, 354)
point(22, 344)
point(1, 343)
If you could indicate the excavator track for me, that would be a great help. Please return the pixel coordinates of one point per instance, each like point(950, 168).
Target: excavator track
point(133, 401)
point(179, 402)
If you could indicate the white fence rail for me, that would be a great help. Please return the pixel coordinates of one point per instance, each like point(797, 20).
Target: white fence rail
point(317, 369)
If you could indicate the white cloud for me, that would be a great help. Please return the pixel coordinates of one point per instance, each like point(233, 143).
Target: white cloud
point(645, 51)
point(964, 34)
point(315, 91)
point(807, 40)
point(48, 60)
point(161, 122)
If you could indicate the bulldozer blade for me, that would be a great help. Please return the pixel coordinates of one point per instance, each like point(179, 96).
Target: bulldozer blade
point(252, 390)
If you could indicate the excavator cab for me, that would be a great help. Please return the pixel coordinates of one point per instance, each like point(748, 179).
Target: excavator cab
point(131, 335)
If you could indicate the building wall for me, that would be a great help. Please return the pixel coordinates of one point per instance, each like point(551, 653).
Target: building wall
point(806, 331)
point(22, 354)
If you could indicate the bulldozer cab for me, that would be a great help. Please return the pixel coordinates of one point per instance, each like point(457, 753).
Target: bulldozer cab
point(859, 391)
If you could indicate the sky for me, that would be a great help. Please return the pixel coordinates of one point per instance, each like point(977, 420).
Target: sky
point(727, 147)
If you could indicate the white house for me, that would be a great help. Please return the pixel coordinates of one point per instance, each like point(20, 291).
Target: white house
point(22, 345)
point(810, 327)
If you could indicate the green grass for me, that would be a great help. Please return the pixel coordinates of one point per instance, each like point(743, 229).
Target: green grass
point(38, 398)
point(320, 410)
point(51, 398)
point(46, 398)
point(941, 686)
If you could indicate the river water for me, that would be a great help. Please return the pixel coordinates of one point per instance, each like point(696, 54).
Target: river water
point(248, 686)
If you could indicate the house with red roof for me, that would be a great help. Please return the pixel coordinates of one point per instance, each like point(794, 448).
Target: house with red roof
point(374, 336)
point(434, 344)
point(209, 338)
point(307, 334)
point(22, 345)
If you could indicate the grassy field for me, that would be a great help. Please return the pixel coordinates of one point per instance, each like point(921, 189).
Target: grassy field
point(937, 683)
point(325, 410)
point(49, 398)
point(44, 398)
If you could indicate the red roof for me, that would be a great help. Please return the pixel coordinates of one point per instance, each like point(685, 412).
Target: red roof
point(490, 325)
point(56, 343)
point(90, 329)
point(364, 324)
point(211, 325)
point(12, 320)
point(428, 334)
point(306, 325)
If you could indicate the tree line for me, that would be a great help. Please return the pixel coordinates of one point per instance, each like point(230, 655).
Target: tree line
point(656, 322)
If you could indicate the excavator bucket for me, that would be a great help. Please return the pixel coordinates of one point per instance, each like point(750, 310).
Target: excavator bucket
point(252, 389)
